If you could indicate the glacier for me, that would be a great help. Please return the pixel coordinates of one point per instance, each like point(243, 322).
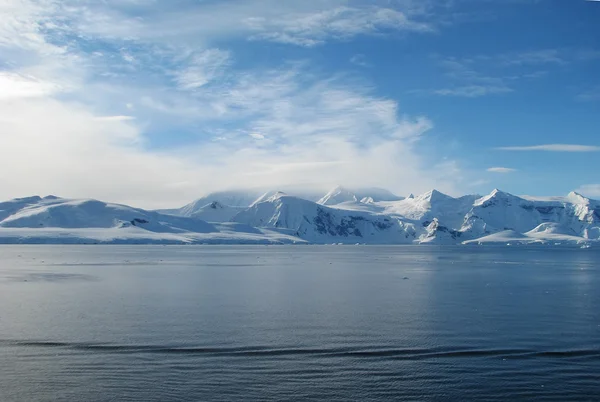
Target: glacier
point(339, 216)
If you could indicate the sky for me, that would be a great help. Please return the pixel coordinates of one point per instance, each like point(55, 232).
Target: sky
point(155, 103)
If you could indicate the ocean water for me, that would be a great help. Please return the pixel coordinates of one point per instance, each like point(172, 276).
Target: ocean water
point(262, 323)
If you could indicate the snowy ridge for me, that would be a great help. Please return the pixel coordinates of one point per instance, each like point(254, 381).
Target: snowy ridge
point(340, 194)
point(340, 216)
point(232, 199)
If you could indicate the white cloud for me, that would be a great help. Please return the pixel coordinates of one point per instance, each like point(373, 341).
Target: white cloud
point(501, 170)
point(114, 118)
point(322, 134)
point(128, 57)
point(554, 148)
point(590, 190)
point(52, 147)
point(257, 136)
point(14, 85)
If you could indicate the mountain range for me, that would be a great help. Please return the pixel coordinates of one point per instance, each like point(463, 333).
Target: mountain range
point(341, 216)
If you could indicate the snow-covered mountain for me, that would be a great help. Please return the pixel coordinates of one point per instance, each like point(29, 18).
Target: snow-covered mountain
point(573, 215)
point(79, 214)
point(321, 224)
point(233, 199)
point(432, 217)
point(216, 212)
point(58, 220)
point(340, 216)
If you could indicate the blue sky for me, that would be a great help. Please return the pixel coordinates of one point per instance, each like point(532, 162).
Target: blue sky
point(158, 102)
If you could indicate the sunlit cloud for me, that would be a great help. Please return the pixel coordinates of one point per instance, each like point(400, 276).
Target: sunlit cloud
point(114, 118)
point(13, 85)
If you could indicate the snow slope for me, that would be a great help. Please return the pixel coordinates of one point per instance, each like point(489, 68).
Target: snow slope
point(79, 214)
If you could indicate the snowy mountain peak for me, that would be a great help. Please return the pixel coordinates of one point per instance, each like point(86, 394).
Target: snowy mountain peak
point(433, 196)
point(494, 197)
point(276, 196)
point(234, 199)
point(499, 193)
point(577, 198)
point(26, 200)
point(264, 197)
point(338, 195)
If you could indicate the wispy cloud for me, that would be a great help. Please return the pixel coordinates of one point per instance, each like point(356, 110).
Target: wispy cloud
point(359, 60)
point(590, 190)
point(274, 126)
point(22, 26)
point(544, 56)
point(589, 95)
point(501, 170)
point(310, 29)
point(493, 74)
point(473, 91)
point(468, 82)
point(300, 23)
point(554, 148)
point(202, 68)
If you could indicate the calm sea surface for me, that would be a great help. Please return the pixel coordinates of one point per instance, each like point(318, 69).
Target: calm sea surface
point(257, 323)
